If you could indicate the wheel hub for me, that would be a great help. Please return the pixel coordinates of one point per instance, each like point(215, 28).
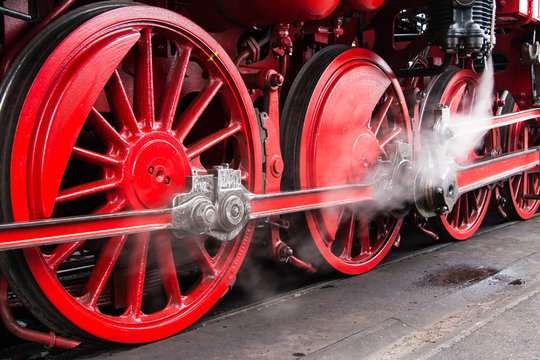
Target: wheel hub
point(159, 169)
point(365, 152)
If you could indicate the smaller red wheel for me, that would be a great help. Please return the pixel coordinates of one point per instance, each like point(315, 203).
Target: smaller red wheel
point(457, 89)
point(349, 122)
point(521, 136)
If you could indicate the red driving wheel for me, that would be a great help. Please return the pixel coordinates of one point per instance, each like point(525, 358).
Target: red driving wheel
point(110, 121)
point(521, 136)
point(456, 89)
point(342, 118)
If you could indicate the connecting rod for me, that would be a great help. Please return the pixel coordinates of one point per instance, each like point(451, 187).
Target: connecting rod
point(216, 204)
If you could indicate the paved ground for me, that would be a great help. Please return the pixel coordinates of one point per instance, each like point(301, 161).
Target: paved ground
point(478, 299)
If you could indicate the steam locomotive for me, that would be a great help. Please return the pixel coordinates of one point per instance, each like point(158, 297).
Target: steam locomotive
point(144, 143)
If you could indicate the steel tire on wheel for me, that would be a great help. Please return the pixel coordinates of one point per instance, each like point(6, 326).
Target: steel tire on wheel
point(455, 88)
point(99, 117)
point(343, 114)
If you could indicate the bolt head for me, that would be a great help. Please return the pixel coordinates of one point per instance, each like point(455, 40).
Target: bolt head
point(277, 167)
point(443, 210)
point(235, 210)
point(205, 215)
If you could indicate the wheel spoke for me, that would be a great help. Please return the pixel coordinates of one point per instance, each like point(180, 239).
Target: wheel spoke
point(525, 185)
point(195, 247)
point(115, 206)
point(167, 267)
point(144, 83)
point(136, 274)
point(347, 235)
point(380, 114)
point(61, 253)
point(101, 272)
point(191, 115)
point(516, 183)
point(388, 139)
point(475, 198)
point(88, 189)
point(471, 99)
point(363, 236)
point(94, 158)
point(168, 102)
point(211, 140)
point(119, 104)
point(466, 209)
point(456, 213)
point(525, 136)
point(332, 218)
point(457, 99)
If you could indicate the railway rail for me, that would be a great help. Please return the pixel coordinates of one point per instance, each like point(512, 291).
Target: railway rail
point(146, 143)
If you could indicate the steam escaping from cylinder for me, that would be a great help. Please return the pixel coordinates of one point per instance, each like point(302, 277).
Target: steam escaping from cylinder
point(433, 174)
point(445, 145)
point(459, 147)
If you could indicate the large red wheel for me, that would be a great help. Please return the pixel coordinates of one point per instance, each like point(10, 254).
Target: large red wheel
point(110, 109)
point(456, 89)
point(343, 116)
point(521, 136)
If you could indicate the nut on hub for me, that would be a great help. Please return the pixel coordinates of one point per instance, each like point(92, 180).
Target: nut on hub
point(435, 192)
point(232, 212)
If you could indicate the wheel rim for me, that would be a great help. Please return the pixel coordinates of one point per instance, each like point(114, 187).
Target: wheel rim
point(137, 156)
point(523, 136)
point(457, 89)
point(358, 107)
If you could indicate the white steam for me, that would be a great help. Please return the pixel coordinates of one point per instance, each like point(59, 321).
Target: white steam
point(435, 156)
point(460, 147)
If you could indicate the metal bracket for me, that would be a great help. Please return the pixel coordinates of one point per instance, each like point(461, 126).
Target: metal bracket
point(216, 205)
